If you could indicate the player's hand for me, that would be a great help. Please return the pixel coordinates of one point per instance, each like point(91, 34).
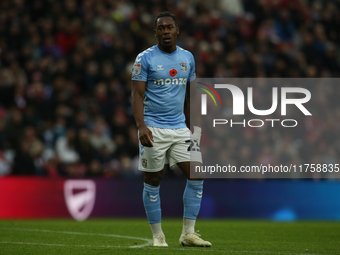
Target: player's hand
point(145, 136)
point(197, 134)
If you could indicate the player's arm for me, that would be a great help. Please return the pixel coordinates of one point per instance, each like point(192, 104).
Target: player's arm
point(191, 95)
point(187, 96)
point(191, 98)
point(137, 93)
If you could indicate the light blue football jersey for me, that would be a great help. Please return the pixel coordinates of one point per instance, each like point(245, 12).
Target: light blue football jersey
point(166, 76)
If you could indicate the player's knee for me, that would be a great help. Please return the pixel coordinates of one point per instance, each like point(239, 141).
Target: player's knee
point(153, 179)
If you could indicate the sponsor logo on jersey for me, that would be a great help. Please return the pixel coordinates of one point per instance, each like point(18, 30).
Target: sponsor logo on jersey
point(184, 67)
point(174, 81)
point(137, 68)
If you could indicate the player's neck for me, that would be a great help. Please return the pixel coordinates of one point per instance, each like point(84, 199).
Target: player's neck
point(167, 50)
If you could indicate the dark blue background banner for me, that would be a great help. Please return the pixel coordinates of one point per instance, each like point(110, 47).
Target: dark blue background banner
point(32, 197)
point(277, 200)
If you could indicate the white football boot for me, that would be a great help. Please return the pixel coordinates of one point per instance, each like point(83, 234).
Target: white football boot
point(159, 240)
point(193, 239)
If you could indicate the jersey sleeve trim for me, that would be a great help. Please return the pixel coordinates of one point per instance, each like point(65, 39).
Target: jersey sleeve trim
point(141, 66)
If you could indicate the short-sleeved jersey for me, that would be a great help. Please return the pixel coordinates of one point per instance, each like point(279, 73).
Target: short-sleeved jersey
point(166, 76)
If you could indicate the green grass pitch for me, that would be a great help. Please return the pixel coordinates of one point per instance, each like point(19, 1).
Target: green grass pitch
point(133, 236)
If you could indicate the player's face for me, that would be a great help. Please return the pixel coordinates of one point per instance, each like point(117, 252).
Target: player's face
point(166, 32)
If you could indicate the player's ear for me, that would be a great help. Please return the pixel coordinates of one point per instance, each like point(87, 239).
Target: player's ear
point(177, 30)
point(154, 30)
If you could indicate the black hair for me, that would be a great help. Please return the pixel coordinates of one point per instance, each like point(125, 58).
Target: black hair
point(166, 14)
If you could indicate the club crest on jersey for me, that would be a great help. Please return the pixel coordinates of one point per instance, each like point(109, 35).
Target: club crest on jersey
point(144, 162)
point(184, 67)
point(137, 68)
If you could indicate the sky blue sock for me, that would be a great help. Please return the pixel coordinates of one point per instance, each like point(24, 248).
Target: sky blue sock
point(152, 203)
point(192, 199)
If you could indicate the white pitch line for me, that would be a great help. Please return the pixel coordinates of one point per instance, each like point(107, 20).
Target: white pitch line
point(163, 248)
point(198, 249)
point(57, 244)
point(148, 241)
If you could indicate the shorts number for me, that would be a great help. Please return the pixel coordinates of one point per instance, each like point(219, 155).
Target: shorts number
point(194, 146)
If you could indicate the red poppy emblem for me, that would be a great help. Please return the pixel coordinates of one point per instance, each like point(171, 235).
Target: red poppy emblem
point(173, 72)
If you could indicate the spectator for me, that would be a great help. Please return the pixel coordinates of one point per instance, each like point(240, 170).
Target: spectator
point(66, 67)
point(99, 139)
point(14, 128)
point(23, 162)
point(65, 148)
point(84, 148)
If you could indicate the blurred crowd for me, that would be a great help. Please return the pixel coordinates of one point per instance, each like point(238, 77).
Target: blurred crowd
point(65, 71)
